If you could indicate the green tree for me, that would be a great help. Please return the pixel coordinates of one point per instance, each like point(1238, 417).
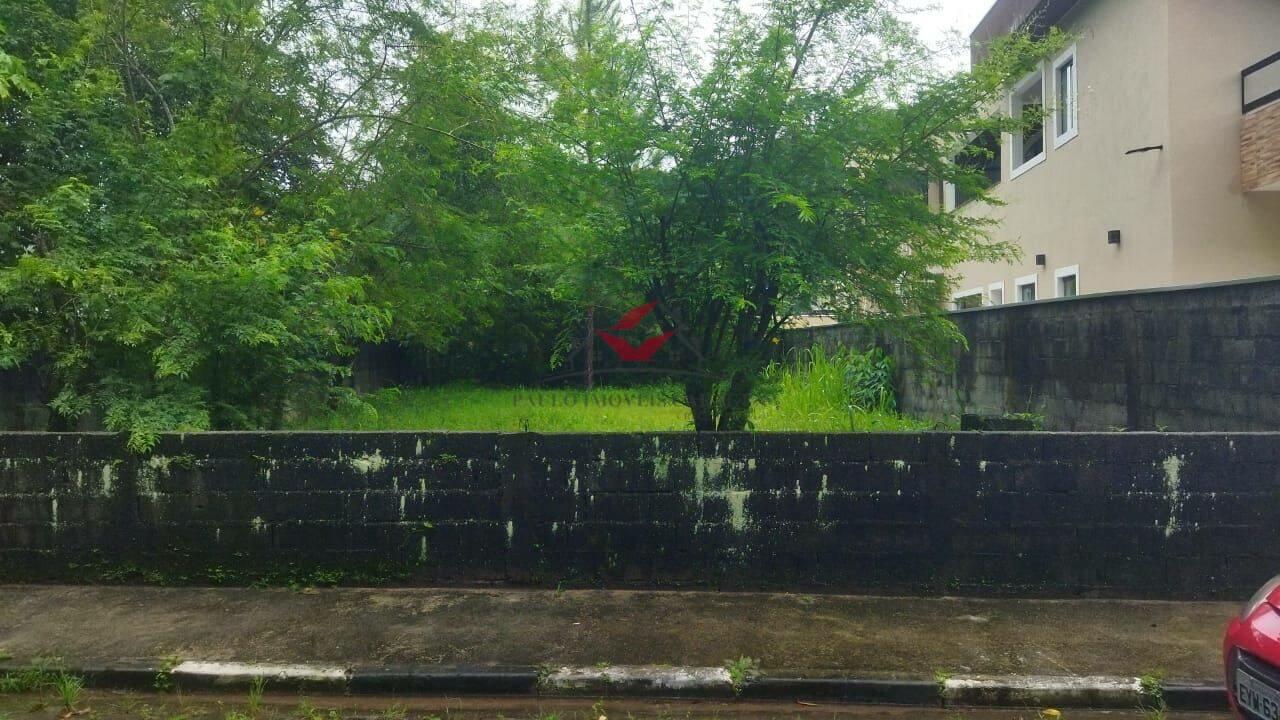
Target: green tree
point(450, 228)
point(168, 256)
point(780, 168)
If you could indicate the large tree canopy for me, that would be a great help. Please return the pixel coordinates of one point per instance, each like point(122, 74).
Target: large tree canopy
point(169, 257)
point(779, 167)
point(199, 194)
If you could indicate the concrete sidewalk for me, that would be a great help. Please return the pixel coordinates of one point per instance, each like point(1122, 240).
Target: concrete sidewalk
point(791, 635)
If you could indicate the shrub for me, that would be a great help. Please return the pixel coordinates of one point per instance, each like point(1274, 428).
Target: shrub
point(833, 392)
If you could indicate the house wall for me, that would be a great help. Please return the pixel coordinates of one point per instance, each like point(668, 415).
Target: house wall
point(1219, 230)
point(1065, 206)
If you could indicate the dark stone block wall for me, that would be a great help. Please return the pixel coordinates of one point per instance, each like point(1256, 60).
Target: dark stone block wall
point(1203, 358)
point(1035, 514)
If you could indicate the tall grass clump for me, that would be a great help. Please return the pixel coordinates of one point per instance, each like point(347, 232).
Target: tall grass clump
point(831, 392)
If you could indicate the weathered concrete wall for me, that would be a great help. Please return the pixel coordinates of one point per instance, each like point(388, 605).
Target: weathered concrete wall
point(1124, 514)
point(1193, 359)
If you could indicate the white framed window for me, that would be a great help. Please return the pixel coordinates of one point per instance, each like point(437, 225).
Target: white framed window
point(967, 300)
point(1066, 281)
point(981, 156)
point(995, 293)
point(1027, 98)
point(1066, 98)
point(1026, 288)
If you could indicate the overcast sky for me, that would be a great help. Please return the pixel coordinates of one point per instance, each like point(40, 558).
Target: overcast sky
point(942, 22)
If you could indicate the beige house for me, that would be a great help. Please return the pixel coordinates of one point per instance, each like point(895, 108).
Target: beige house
point(1159, 160)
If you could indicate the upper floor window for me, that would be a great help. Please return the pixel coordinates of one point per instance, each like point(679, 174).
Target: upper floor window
point(982, 156)
point(1025, 288)
point(1027, 100)
point(967, 300)
point(1068, 281)
point(1066, 98)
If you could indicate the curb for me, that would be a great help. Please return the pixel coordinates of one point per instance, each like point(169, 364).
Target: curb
point(852, 690)
point(1195, 696)
point(1041, 691)
point(1020, 691)
point(1104, 692)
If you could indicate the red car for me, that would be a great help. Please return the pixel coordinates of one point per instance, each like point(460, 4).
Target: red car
point(1251, 651)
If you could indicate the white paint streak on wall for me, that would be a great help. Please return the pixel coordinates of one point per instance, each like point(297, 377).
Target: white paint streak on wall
point(737, 500)
point(367, 463)
point(1173, 491)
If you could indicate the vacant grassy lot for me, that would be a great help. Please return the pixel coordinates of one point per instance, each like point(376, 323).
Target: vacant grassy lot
point(647, 408)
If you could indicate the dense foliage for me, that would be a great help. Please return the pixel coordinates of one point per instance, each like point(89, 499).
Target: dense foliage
point(198, 195)
point(207, 205)
point(779, 169)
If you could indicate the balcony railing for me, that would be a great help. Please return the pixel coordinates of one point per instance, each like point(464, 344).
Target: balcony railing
point(1260, 83)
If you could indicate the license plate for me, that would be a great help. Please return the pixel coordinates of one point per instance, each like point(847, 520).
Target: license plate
point(1257, 697)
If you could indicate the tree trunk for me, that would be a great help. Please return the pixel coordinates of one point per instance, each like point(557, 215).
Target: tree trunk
point(698, 394)
point(735, 406)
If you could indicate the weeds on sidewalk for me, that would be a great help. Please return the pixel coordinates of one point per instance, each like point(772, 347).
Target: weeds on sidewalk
point(257, 686)
point(940, 678)
point(306, 711)
point(1151, 687)
point(742, 671)
point(38, 676)
point(69, 688)
point(164, 677)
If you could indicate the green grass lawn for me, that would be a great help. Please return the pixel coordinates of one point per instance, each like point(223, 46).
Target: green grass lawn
point(647, 408)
